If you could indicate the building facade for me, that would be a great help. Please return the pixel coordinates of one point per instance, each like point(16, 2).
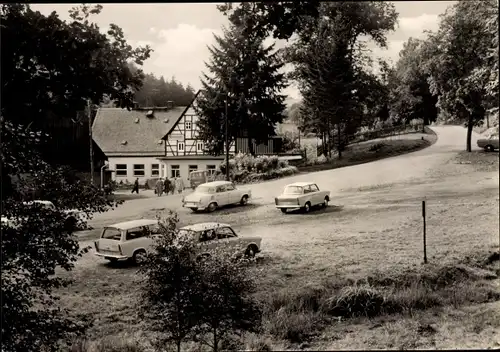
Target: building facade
point(147, 143)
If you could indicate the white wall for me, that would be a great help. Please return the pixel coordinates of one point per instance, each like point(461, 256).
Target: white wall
point(147, 161)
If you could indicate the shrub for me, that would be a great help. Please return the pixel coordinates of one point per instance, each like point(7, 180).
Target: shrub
point(355, 301)
point(376, 147)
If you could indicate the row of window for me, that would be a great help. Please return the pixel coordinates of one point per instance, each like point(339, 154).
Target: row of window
point(139, 170)
point(181, 146)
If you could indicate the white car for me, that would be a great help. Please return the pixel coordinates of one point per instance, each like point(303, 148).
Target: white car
point(74, 217)
point(127, 240)
point(131, 240)
point(211, 235)
point(212, 195)
point(489, 143)
point(303, 195)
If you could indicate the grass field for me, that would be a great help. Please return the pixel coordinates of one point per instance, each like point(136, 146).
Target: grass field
point(365, 152)
point(356, 284)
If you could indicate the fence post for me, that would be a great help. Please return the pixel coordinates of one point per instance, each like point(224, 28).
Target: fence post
point(424, 227)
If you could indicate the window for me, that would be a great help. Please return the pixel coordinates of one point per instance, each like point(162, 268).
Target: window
point(211, 170)
point(199, 146)
point(230, 187)
point(180, 146)
point(224, 232)
point(188, 125)
point(121, 170)
point(137, 233)
point(155, 170)
point(220, 189)
point(175, 171)
point(314, 188)
point(112, 234)
point(139, 170)
point(307, 189)
point(193, 168)
point(207, 235)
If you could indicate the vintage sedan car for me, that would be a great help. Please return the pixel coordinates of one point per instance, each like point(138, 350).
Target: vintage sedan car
point(303, 195)
point(74, 218)
point(130, 240)
point(490, 143)
point(212, 235)
point(212, 195)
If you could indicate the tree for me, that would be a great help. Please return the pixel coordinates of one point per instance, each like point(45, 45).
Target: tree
point(411, 97)
point(51, 69)
point(247, 74)
point(172, 291)
point(188, 296)
point(227, 303)
point(70, 63)
point(330, 63)
point(463, 62)
point(35, 241)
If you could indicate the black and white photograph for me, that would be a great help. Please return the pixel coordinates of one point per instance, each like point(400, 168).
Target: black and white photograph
point(250, 176)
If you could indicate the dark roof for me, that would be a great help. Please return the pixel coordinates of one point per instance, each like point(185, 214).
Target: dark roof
point(113, 126)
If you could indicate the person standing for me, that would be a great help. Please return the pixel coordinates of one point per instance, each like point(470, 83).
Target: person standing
point(136, 186)
point(159, 187)
point(179, 184)
point(166, 186)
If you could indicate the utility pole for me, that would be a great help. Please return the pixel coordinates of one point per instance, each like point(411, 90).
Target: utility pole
point(226, 123)
point(89, 114)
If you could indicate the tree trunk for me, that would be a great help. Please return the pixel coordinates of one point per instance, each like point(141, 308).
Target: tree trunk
point(470, 125)
point(339, 141)
point(178, 345)
point(216, 348)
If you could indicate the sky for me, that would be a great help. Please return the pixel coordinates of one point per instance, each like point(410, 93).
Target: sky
point(179, 33)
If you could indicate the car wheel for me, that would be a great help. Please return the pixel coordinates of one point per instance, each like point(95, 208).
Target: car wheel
point(244, 200)
point(307, 207)
point(212, 207)
point(251, 251)
point(283, 210)
point(488, 148)
point(139, 257)
point(325, 203)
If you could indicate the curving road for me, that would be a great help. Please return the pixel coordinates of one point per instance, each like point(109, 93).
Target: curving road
point(451, 139)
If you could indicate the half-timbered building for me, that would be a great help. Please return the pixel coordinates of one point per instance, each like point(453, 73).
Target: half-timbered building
point(162, 142)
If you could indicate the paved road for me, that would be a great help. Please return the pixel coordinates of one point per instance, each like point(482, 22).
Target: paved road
point(451, 139)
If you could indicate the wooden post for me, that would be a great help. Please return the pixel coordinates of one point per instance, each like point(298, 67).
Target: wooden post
point(425, 239)
point(91, 149)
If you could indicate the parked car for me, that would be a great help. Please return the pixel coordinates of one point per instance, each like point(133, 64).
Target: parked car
point(212, 195)
point(197, 178)
point(303, 195)
point(130, 240)
point(212, 235)
point(489, 144)
point(75, 218)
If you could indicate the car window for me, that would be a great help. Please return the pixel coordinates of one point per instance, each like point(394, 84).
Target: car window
point(314, 188)
point(224, 232)
point(221, 189)
point(136, 233)
point(207, 235)
point(112, 234)
point(307, 189)
point(293, 190)
point(230, 187)
point(154, 229)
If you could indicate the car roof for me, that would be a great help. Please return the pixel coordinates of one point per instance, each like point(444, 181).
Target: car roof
point(300, 184)
point(127, 225)
point(203, 226)
point(215, 183)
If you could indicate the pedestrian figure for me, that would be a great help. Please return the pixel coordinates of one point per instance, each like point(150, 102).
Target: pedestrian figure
point(159, 187)
point(166, 185)
point(179, 184)
point(136, 186)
